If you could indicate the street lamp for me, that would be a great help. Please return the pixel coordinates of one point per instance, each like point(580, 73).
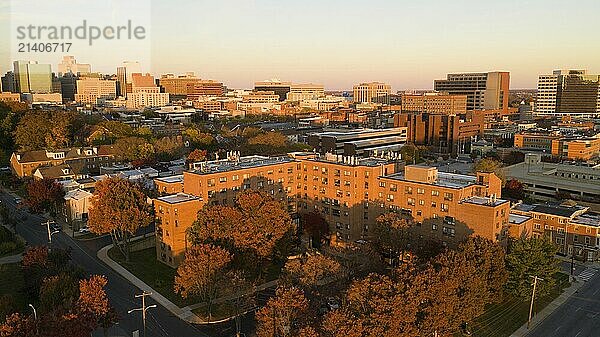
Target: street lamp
point(34, 311)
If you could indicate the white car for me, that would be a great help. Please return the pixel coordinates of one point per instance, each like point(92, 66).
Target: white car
point(84, 230)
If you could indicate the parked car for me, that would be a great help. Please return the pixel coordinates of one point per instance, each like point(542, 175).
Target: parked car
point(84, 230)
point(18, 200)
point(333, 303)
point(54, 226)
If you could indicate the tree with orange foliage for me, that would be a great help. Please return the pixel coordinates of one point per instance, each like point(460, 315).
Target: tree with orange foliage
point(313, 271)
point(93, 306)
point(375, 306)
point(119, 208)
point(35, 256)
point(202, 273)
point(196, 156)
point(18, 325)
point(256, 223)
point(263, 222)
point(283, 315)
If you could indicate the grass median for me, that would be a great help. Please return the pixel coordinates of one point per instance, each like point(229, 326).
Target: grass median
point(144, 265)
point(504, 318)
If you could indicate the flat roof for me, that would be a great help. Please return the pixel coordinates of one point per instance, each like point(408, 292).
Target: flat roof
point(558, 210)
point(587, 219)
point(226, 165)
point(178, 198)
point(171, 179)
point(444, 179)
point(517, 218)
point(370, 162)
point(484, 201)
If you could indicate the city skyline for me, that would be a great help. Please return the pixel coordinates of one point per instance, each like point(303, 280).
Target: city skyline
point(340, 44)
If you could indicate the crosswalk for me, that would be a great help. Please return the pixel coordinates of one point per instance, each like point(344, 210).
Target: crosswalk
point(587, 274)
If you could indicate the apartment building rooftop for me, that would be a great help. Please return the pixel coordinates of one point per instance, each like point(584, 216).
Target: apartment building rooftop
point(234, 162)
point(442, 179)
point(517, 218)
point(178, 198)
point(485, 201)
point(587, 219)
point(562, 210)
point(171, 179)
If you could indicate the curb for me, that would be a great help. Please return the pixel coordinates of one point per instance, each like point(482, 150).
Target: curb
point(186, 315)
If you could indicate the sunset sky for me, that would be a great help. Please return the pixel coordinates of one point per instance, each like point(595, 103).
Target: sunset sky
point(340, 42)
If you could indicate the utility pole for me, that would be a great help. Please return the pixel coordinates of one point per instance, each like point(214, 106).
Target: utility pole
point(535, 279)
point(143, 309)
point(50, 233)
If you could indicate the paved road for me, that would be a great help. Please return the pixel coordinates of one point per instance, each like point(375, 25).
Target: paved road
point(160, 322)
point(579, 316)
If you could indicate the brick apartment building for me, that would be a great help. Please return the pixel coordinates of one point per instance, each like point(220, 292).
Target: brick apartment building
point(24, 164)
point(558, 145)
point(349, 192)
point(573, 228)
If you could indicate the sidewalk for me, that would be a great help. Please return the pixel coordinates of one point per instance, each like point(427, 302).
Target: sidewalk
point(11, 259)
point(549, 309)
point(184, 314)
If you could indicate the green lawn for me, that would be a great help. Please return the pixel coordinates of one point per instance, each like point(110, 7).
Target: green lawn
point(10, 244)
point(11, 283)
point(146, 267)
point(502, 319)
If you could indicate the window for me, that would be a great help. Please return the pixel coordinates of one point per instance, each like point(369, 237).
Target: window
point(433, 204)
point(411, 201)
point(444, 207)
point(448, 196)
point(211, 182)
point(223, 179)
point(434, 227)
point(382, 184)
point(420, 191)
point(390, 197)
point(435, 193)
point(448, 231)
point(408, 189)
point(235, 177)
point(587, 240)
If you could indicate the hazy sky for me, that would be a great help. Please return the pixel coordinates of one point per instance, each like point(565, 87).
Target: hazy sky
point(340, 42)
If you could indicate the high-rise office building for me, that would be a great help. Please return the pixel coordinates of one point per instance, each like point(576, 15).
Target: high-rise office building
point(302, 92)
point(21, 76)
point(90, 90)
point(374, 92)
point(178, 85)
point(32, 77)
point(485, 91)
point(68, 86)
point(40, 78)
point(70, 65)
point(568, 92)
point(434, 103)
point(276, 86)
point(8, 82)
point(125, 75)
